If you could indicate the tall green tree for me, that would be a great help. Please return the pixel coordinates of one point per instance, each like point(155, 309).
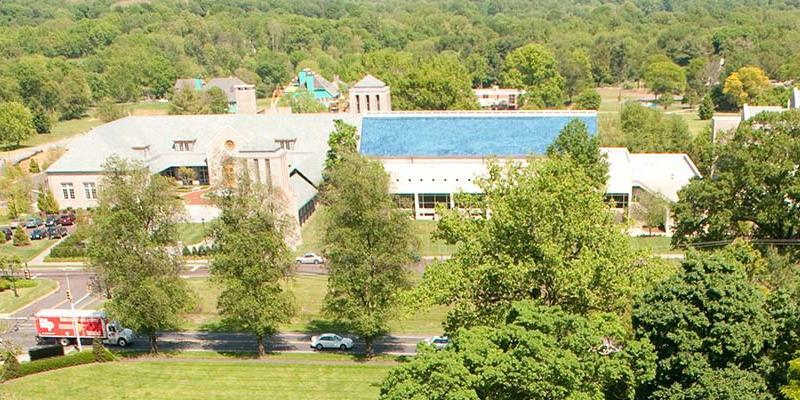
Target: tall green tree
point(665, 79)
point(576, 68)
point(252, 259)
point(437, 82)
point(342, 142)
point(792, 389)
point(650, 130)
point(129, 241)
point(711, 331)
point(550, 237)
point(367, 241)
point(750, 192)
point(533, 68)
point(584, 149)
point(537, 352)
point(45, 201)
point(11, 266)
point(16, 123)
point(706, 110)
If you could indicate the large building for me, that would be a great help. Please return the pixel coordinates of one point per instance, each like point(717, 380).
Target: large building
point(497, 98)
point(724, 123)
point(432, 156)
point(286, 152)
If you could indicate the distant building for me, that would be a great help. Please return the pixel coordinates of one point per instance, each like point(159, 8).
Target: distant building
point(370, 94)
point(241, 96)
point(323, 90)
point(723, 123)
point(496, 98)
point(432, 156)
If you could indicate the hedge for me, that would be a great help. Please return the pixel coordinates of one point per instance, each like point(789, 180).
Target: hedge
point(5, 283)
point(49, 364)
point(71, 247)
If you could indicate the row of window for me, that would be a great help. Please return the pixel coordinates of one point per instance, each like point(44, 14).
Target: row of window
point(367, 102)
point(433, 179)
point(68, 190)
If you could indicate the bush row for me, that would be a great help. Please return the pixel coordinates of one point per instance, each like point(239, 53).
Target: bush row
point(71, 247)
point(5, 283)
point(198, 251)
point(14, 369)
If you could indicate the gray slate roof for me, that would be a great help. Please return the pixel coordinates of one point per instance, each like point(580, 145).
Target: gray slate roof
point(87, 153)
point(319, 81)
point(369, 82)
point(227, 86)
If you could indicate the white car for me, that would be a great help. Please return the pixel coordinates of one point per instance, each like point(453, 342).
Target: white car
point(439, 342)
point(331, 341)
point(310, 258)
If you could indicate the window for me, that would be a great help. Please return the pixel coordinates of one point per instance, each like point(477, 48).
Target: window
point(366, 100)
point(617, 200)
point(404, 200)
point(183, 145)
point(378, 101)
point(358, 104)
point(90, 190)
point(68, 191)
point(430, 200)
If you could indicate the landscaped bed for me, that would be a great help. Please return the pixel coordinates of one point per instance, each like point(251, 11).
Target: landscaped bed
point(25, 253)
point(10, 303)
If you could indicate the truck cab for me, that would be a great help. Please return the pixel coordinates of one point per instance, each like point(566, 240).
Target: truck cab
point(118, 335)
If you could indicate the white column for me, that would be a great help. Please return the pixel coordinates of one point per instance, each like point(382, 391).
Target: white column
point(452, 201)
point(416, 205)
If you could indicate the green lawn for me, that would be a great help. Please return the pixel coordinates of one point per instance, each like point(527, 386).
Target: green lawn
point(25, 253)
point(9, 303)
point(309, 292)
point(196, 379)
point(657, 244)
point(311, 232)
point(191, 233)
point(147, 108)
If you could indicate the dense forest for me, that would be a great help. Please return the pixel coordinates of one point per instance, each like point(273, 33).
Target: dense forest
point(60, 57)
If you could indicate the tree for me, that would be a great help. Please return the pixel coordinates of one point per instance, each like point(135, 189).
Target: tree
point(706, 110)
point(784, 308)
point(533, 68)
point(133, 228)
point(438, 82)
point(367, 247)
point(252, 259)
point(45, 201)
point(588, 99)
point(746, 84)
point(576, 68)
point(652, 209)
point(710, 329)
point(343, 141)
point(187, 175)
point(665, 79)
point(42, 119)
point(574, 141)
point(650, 130)
point(20, 237)
point(108, 110)
point(537, 352)
point(216, 101)
point(16, 123)
point(550, 238)
point(11, 266)
point(749, 192)
point(792, 390)
point(302, 102)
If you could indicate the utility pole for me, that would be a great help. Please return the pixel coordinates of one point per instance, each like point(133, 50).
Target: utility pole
point(74, 316)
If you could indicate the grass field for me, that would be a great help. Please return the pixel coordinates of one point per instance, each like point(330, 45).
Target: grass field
point(657, 244)
point(25, 253)
point(191, 233)
point(309, 292)
point(197, 379)
point(9, 303)
point(311, 233)
point(613, 98)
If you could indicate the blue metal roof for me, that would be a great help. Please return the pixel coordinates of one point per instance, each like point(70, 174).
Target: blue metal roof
point(472, 134)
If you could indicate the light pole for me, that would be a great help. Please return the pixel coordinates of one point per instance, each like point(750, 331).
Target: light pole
point(74, 317)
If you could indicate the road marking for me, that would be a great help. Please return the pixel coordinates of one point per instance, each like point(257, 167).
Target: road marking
point(79, 301)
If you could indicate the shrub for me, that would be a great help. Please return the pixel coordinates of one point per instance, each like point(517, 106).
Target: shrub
point(186, 252)
point(11, 367)
point(20, 237)
point(5, 283)
point(71, 247)
point(48, 364)
point(706, 110)
point(101, 353)
point(34, 167)
point(588, 100)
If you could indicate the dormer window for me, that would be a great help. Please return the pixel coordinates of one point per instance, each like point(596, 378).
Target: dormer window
point(183, 145)
point(287, 144)
point(142, 150)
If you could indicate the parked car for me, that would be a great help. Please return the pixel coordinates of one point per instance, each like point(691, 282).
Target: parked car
point(33, 223)
point(66, 219)
point(438, 342)
point(7, 232)
point(56, 232)
point(14, 224)
point(310, 258)
point(331, 341)
point(51, 220)
point(39, 234)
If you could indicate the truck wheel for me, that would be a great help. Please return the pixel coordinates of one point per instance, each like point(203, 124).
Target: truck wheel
point(319, 346)
point(122, 342)
point(64, 341)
